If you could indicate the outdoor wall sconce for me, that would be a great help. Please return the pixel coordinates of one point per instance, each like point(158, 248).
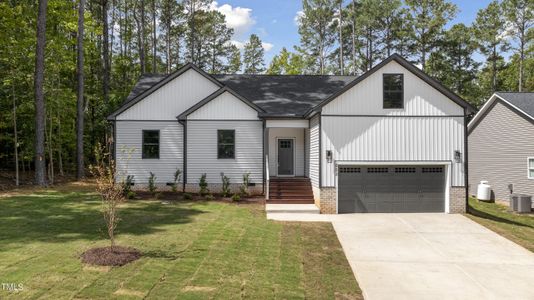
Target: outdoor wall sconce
point(329, 156)
point(457, 156)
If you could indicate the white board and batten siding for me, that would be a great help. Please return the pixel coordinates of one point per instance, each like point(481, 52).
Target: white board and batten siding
point(158, 111)
point(172, 99)
point(224, 112)
point(313, 152)
point(128, 142)
point(356, 127)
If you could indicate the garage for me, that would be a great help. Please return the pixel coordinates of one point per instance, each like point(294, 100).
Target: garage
point(388, 189)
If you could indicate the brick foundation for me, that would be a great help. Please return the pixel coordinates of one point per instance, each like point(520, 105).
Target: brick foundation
point(328, 200)
point(457, 200)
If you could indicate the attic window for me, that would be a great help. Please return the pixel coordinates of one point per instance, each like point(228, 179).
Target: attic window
point(393, 86)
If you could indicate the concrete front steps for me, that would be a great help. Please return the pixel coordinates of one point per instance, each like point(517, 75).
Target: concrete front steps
point(291, 208)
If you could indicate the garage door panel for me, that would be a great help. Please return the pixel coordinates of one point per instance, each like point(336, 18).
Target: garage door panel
point(391, 189)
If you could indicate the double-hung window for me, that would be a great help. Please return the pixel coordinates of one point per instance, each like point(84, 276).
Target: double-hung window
point(225, 144)
point(393, 90)
point(530, 168)
point(150, 144)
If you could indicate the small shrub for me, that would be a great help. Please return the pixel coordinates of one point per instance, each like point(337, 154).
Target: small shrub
point(236, 197)
point(203, 184)
point(130, 195)
point(152, 183)
point(244, 187)
point(225, 185)
point(157, 195)
point(210, 197)
point(177, 179)
point(127, 187)
point(188, 196)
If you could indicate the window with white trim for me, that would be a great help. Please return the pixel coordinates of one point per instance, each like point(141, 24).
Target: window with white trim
point(530, 168)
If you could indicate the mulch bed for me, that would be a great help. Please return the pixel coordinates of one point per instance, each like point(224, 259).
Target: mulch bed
point(178, 196)
point(104, 256)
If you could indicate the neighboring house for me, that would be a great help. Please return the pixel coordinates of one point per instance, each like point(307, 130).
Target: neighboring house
point(390, 140)
point(501, 145)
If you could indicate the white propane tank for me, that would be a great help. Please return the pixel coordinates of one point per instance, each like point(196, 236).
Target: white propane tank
point(484, 191)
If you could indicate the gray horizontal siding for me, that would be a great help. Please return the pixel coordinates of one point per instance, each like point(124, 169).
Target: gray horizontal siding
point(202, 151)
point(498, 149)
point(128, 145)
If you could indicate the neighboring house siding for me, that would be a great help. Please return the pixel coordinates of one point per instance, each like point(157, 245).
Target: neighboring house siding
point(356, 127)
point(314, 151)
point(128, 150)
point(225, 107)
point(365, 98)
point(171, 99)
point(298, 135)
point(498, 149)
point(202, 151)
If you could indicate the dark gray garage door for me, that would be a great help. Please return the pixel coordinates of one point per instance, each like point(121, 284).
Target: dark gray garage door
point(391, 189)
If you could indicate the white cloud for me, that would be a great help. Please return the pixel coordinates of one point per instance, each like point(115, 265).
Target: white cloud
point(297, 17)
point(274, 21)
point(240, 45)
point(267, 46)
point(238, 18)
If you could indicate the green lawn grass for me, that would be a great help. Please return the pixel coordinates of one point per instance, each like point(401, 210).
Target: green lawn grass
point(192, 250)
point(516, 227)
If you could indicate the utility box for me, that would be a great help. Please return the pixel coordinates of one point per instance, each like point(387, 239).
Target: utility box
point(520, 203)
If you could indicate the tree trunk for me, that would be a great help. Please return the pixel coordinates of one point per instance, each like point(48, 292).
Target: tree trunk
point(105, 51)
point(80, 168)
point(521, 58)
point(142, 48)
point(15, 134)
point(341, 65)
point(40, 160)
point(354, 36)
point(494, 69)
point(50, 153)
point(60, 148)
point(154, 36)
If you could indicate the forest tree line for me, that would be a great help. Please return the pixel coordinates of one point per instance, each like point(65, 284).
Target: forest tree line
point(62, 74)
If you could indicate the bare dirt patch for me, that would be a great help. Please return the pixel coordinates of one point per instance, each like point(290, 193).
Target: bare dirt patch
point(106, 256)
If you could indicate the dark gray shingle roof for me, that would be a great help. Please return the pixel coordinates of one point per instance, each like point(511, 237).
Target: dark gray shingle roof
point(285, 95)
point(278, 95)
point(145, 82)
point(524, 100)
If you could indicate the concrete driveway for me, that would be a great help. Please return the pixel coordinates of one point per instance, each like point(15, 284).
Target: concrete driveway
point(433, 256)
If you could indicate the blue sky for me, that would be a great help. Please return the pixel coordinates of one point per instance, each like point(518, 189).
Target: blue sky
point(274, 20)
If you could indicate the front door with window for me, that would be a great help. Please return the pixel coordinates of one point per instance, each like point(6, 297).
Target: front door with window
point(285, 157)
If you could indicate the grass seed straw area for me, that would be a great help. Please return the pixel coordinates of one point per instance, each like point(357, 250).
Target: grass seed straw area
point(194, 250)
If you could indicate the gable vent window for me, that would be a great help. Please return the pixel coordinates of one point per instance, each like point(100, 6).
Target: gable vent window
point(393, 90)
point(150, 144)
point(433, 170)
point(531, 168)
point(404, 170)
point(377, 170)
point(349, 170)
point(225, 144)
